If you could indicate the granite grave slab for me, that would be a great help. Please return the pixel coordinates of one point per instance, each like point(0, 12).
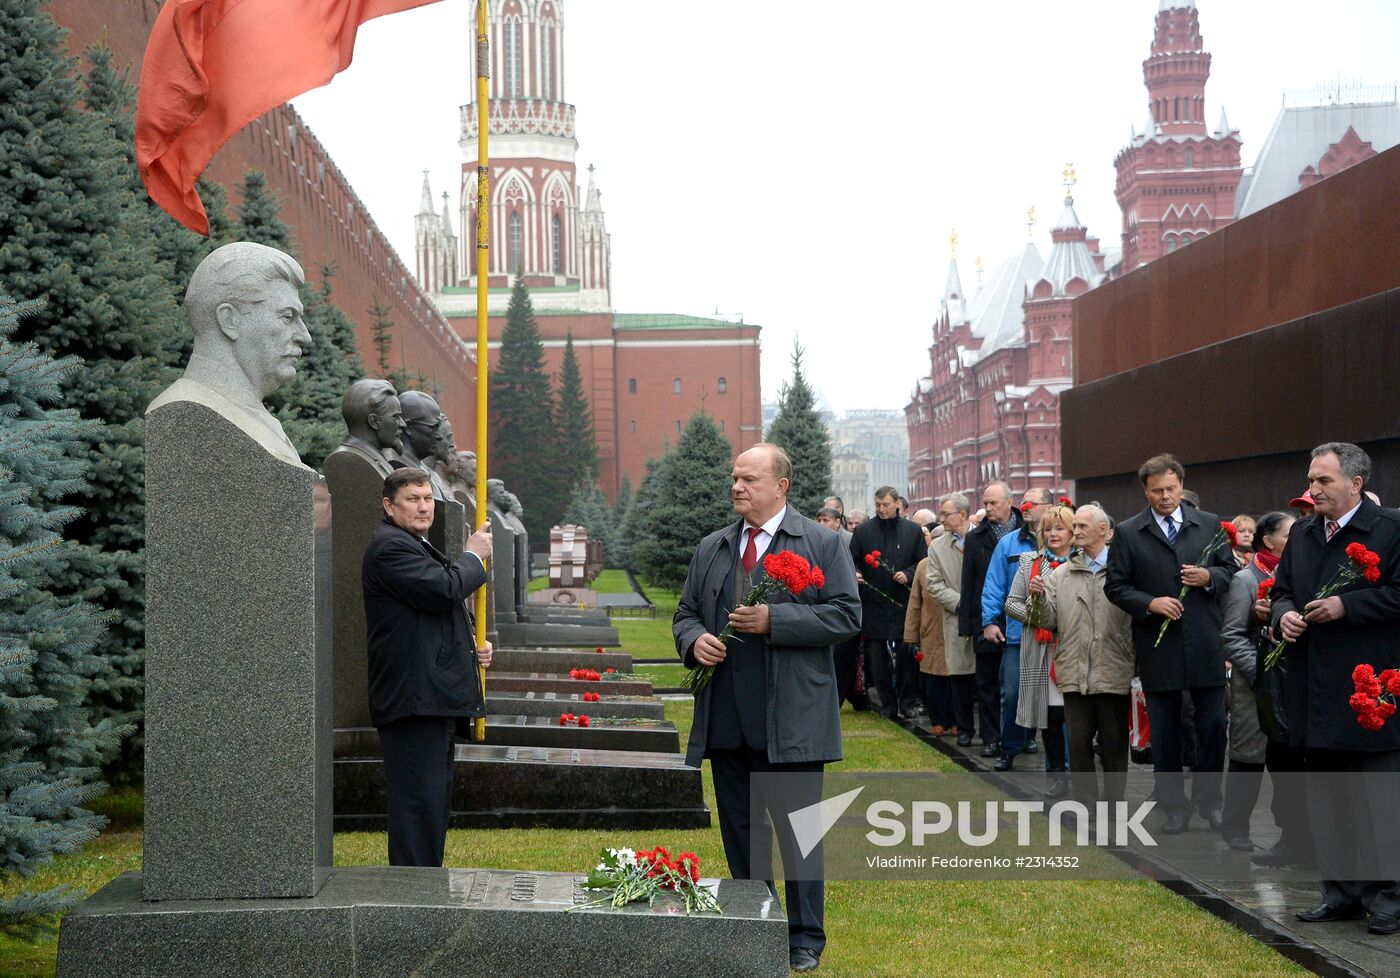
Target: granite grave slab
point(545, 682)
point(605, 731)
point(545, 634)
point(377, 922)
point(501, 786)
point(513, 659)
point(552, 704)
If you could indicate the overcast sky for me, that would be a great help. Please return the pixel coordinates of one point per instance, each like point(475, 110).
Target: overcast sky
point(802, 164)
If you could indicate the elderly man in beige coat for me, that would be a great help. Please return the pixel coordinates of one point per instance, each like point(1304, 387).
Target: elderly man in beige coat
point(1093, 658)
point(944, 576)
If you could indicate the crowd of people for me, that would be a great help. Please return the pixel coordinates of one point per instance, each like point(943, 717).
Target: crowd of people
point(1033, 619)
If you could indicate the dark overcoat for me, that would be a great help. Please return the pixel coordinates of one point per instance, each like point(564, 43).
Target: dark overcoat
point(422, 652)
point(901, 545)
point(1142, 565)
point(1318, 684)
point(803, 713)
point(978, 546)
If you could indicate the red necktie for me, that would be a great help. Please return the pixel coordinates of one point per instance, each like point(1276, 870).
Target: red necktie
point(751, 551)
point(1332, 527)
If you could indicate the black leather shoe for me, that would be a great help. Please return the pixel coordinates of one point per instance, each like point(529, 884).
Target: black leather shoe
point(1176, 823)
point(964, 740)
point(803, 959)
point(1240, 843)
point(1030, 748)
point(1004, 762)
point(1383, 923)
point(991, 750)
point(1326, 912)
point(1215, 817)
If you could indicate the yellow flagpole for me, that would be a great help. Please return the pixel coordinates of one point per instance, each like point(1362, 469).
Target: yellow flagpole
point(483, 73)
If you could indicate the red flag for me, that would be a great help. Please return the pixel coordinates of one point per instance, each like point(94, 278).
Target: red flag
point(213, 66)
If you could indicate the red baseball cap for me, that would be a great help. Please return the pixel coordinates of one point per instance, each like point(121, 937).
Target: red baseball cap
point(1305, 499)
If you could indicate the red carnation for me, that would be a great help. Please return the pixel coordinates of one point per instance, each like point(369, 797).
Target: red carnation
point(918, 657)
point(1026, 507)
point(583, 720)
point(563, 719)
point(1370, 721)
point(1363, 673)
point(816, 579)
point(1230, 532)
point(661, 851)
point(1265, 586)
point(1044, 636)
point(1356, 551)
point(1065, 501)
point(598, 649)
point(1385, 708)
point(1372, 574)
point(610, 669)
point(1361, 703)
point(1371, 559)
point(1391, 681)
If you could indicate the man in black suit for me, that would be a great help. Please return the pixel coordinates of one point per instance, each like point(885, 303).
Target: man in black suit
point(1352, 808)
point(771, 706)
point(1001, 518)
point(422, 662)
point(1152, 557)
point(884, 595)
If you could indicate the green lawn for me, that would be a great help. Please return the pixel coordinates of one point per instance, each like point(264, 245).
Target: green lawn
point(876, 930)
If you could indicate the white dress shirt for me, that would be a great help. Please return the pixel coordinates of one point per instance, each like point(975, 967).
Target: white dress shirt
point(762, 536)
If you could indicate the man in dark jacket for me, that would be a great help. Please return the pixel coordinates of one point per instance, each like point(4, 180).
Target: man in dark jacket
point(1352, 804)
point(1001, 518)
point(771, 705)
point(422, 662)
point(1152, 557)
point(884, 595)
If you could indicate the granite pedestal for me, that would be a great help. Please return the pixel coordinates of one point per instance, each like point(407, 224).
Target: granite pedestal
point(503, 543)
point(381, 922)
point(605, 731)
point(552, 704)
point(553, 682)
point(238, 698)
point(502, 787)
point(356, 487)
point(512, 659)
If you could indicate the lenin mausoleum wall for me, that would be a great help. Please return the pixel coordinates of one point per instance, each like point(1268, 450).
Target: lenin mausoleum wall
point(1243, 350)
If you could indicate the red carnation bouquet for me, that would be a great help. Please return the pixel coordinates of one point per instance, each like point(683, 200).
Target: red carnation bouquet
point(1362, 564)
point(784, 569)
point(873, 560)
point(626, 876)
point(1226, 534)
point(1374, 699)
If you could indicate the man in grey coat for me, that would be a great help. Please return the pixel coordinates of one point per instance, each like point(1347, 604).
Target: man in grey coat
point(772, 704)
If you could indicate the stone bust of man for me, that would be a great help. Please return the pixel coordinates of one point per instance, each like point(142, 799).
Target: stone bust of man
point(244, 306)
point(374, 420)
point(423, 418)
point(496, 497)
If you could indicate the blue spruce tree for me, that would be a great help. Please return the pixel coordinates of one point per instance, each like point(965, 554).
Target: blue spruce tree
point(50, 749)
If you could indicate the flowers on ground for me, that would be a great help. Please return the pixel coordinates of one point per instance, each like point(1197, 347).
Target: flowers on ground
point(592, 697)
point(569, 719)
point(784, 569)
point(625, 876)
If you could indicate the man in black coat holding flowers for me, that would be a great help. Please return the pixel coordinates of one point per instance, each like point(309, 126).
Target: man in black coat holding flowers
point(1353, 762)
point(1156, 554)
point(887, 551)
point(771, 704)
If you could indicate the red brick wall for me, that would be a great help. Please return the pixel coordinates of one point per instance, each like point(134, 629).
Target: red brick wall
point(330, 223)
